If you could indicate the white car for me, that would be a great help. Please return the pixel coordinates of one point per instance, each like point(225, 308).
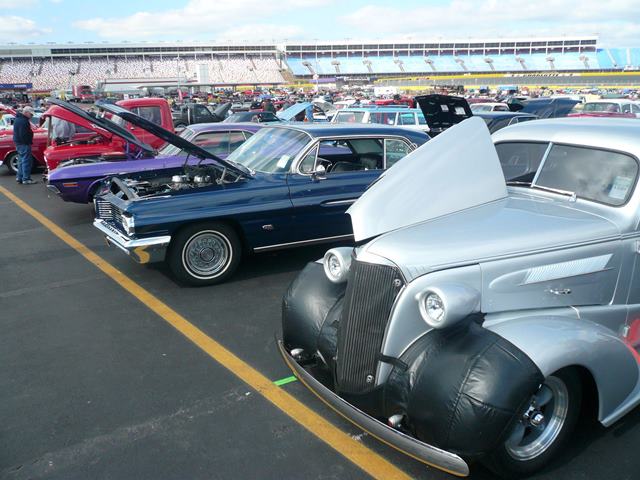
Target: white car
point(489, 107)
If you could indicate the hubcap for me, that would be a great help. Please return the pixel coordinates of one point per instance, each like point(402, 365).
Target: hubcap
point(541, 424)
point(206, 254)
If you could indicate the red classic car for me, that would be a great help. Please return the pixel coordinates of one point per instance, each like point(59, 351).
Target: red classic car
point(8, 154)
point(102, 143)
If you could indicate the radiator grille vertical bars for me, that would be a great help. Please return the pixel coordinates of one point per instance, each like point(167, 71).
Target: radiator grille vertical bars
point(371, 292)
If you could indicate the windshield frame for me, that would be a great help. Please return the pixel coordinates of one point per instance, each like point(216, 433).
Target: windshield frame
point(257, 136)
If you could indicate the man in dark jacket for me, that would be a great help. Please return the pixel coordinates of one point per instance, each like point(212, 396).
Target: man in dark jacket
point(23, 138)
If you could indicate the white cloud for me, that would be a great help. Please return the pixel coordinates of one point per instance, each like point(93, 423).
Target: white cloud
point(13, 5)
point(16, 29)
point(214, 18)
point(614, 20)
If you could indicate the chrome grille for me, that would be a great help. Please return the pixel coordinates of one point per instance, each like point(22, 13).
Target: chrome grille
point(371, 292)
point(108, 212)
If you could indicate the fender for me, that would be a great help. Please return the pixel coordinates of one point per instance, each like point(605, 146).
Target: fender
point(554, 342)
point(310, 299)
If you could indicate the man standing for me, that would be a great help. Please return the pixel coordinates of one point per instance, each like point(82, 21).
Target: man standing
point(267, 106)
point(23, 138)
point(63, 131)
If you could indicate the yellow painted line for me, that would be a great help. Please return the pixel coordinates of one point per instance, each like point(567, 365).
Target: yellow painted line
point(369, 461)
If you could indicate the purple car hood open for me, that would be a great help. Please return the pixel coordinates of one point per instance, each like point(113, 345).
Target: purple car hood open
point(105, 169)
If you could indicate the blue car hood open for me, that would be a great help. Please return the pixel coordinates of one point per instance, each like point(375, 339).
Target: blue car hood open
point(291, 112)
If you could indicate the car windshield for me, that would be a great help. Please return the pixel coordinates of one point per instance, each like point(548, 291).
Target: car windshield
point(270, 150)
point(601, 107)
point(599, 175)
point(481, 108)
point(169, 149)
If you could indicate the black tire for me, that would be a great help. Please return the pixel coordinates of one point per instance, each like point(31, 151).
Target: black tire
point(512, 462)
point(12, 163)
point(220, 253)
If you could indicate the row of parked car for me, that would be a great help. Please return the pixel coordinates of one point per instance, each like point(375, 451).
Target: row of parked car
point(492, 288)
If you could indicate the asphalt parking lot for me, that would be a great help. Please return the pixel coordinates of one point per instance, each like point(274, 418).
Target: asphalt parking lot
point(104, 380)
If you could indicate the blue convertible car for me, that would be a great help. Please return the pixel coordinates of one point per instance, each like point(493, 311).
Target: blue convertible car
point(286, 186)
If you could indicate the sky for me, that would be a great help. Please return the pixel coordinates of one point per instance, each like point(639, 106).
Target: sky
point(617, 22)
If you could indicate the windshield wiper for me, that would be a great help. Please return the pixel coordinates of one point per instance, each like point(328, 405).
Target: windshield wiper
point(556, 190)
point(568, 193)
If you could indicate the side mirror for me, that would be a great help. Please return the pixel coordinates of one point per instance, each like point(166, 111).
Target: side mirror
point(319, 173)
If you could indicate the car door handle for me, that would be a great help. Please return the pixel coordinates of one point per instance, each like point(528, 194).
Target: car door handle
point(334, 203)
point(560, 291)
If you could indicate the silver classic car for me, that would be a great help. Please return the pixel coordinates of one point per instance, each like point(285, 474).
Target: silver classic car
point(476, 315)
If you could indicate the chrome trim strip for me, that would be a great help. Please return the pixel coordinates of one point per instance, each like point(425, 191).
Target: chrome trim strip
point(423, 452)
point(126, 243)
point(303, 242)
point(339, 202)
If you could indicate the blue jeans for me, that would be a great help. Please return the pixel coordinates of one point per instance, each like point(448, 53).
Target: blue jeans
point(25, 162)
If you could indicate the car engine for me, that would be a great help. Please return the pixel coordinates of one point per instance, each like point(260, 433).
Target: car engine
point(189, 177)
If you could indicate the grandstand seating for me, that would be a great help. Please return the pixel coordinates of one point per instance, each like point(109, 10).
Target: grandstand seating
point(614, 58)
point(48, 74)
point(60, 72)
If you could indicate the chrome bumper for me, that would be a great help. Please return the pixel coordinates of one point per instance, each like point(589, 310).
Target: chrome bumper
point(423, 452)
point(144, 250)
point(53, 189)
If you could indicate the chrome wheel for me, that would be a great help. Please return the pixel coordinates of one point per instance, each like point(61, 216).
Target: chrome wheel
point(207, 254)
point(541, 424)
point(13, 163)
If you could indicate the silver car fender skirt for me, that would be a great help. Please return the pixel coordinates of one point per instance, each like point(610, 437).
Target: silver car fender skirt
point(309, 301)
point(423, 452)
point(556, 342)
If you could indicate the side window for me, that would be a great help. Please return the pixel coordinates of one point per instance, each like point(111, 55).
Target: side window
point(214, 142)
point(421, 119)
point(347, 156)
point(385, 118)
point(520, 160)
point(235, 140)
point(635, 108)
point(501, 108)
point(394, 150)
point(149, 113)
point(407, 119)
point(309, 161)
point(626, 108)
point(202, 111)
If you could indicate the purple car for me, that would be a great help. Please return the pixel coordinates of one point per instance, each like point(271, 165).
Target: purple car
point(77, 180)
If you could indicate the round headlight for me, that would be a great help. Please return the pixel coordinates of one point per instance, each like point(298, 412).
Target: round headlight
point(434, 308)
point(446, 304)
point(337, 262)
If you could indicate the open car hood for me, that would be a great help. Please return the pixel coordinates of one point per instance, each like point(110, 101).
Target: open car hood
point(291, 112)
point(456, 170)
point(74, 114)
point(222, 110)
point(443, 111)
point(170, 137)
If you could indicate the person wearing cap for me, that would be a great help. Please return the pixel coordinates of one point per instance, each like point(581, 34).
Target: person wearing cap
point(23, 139)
